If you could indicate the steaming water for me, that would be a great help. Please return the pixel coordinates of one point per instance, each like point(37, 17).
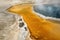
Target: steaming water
point(48, 10)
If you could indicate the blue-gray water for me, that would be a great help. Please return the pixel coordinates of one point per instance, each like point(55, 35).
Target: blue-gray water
point(48, 10)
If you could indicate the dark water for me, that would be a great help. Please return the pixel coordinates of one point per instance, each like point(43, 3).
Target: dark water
point(48, 10)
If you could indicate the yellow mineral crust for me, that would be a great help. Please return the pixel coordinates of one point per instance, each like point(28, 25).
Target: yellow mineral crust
point(39, 28)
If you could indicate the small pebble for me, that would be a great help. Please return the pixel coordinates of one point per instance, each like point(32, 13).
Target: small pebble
point(21, 24)
point(20, 19)
point(25, 28)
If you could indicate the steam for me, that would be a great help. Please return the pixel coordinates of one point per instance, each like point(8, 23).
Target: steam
point(39, 2)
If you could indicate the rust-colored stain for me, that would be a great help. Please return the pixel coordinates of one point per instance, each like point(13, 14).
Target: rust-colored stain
point(39, 28)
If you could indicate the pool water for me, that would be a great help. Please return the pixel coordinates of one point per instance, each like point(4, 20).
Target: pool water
point(48, 10)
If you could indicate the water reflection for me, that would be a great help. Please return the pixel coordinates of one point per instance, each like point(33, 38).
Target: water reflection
point(48, 10)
